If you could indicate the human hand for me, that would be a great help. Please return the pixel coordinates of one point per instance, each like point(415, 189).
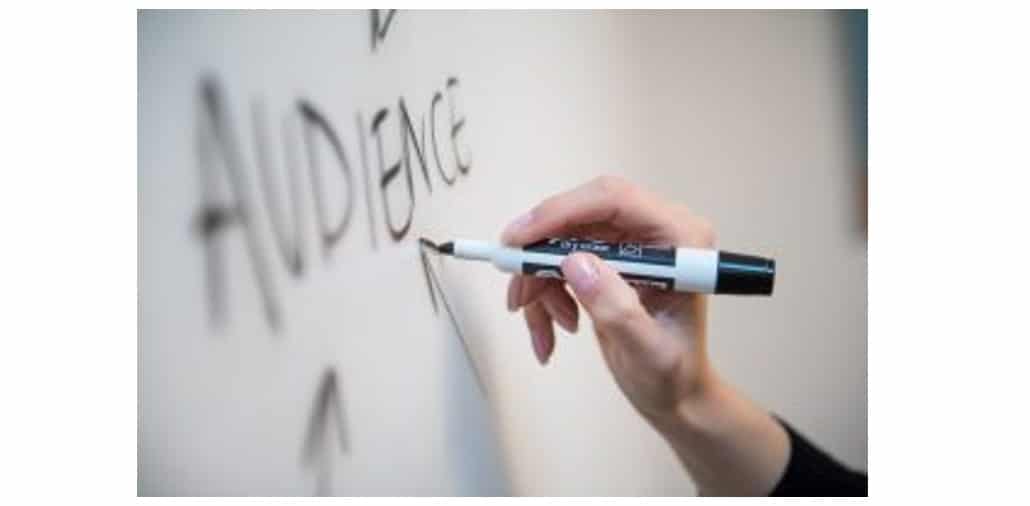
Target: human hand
point(653, 341)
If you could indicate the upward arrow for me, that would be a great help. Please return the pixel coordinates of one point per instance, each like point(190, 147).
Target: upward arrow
point(433, 283)
point(315, 454)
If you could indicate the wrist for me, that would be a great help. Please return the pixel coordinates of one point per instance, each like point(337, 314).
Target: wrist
point(696, 407)
point(728, 444)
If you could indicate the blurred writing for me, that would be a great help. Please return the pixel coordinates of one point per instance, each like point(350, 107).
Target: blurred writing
point(380, 24)
point(229, 201)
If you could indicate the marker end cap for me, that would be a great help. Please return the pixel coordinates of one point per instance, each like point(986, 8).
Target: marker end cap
point(745, 274)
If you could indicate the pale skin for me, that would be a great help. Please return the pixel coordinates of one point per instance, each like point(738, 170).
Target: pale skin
point(653, 342)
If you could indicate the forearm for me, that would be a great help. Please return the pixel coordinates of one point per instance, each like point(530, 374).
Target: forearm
point(728, 445)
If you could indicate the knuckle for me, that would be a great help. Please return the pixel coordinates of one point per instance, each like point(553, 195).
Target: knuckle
point(545, 207)
point(612, 186)
point(706, 232)
point(693, 230)
point(623, 313)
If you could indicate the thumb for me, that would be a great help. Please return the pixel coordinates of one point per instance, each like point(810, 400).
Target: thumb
point(613, 305)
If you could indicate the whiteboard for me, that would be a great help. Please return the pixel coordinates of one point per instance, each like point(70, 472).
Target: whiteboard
point(295, 341)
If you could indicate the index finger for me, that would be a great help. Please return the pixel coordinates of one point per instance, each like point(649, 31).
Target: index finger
point(607, 199)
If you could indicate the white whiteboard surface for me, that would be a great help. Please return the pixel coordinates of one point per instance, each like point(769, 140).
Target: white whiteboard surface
point(360, 385)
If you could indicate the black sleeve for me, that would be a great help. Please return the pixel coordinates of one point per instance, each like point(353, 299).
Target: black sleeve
point(811, 472)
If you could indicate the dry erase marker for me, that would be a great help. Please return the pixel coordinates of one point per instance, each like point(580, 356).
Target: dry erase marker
point(666, 268)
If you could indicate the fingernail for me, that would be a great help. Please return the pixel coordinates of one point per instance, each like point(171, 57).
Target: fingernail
point(513, 296)
point(581, 273)
point(567, 324)
point(516, 225)
point(567, 320)
point(573, 323)
point(538, 348)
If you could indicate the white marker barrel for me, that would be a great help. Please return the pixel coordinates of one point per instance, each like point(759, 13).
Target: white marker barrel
point(666, 268)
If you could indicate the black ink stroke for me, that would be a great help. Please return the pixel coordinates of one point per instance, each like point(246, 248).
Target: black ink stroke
point(368, 182)
point(457, 124)
point(216, 137)
point(327, 407)
point(386, 176)
point(290, 244)
point(380, 26)
point(407, 138)
point(433, 284)
point(426, 243)
point(437, 98)
point(315, 120)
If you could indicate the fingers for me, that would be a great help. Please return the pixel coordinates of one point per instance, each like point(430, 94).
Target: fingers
point(545, 302)
point(524, 289)
point(514, 292)
point(613, 305)
point(560, 306)
point(606, 199)
point(541, 331)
